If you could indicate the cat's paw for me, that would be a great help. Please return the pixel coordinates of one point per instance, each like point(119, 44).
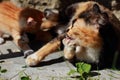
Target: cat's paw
point(1, 40)
point(33, 60)
point(28, 52)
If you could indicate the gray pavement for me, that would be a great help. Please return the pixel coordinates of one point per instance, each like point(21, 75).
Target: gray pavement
point(53, 67)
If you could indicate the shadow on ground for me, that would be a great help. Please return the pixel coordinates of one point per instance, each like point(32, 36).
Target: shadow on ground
point(50, 62)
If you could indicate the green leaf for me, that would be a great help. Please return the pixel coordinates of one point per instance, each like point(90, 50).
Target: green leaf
point(2, 61)
point(0, 68)
point(25, 66)
point(83, 68)
point(79, 68)
point(3, 70)
point(81, 78)
point(25, 78)
point(72, 71)
point(86, 67)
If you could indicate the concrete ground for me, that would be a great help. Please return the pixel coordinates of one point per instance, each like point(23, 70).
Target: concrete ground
point(54, 67)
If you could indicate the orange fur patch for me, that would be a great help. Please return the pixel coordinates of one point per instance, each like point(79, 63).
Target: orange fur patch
point(87, 34)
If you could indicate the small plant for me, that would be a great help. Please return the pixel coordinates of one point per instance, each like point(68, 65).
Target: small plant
point(1, 61)
point(24, 76)
point(83, 69)
point(2, 70)
point(25, 66)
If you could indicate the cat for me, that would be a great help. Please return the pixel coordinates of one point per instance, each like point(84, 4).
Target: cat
point(92, 34)
point(19, 21)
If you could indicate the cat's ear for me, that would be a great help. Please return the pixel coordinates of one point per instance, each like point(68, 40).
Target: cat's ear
point(71, 10)
point(31, 21)
point(96, 8)
point(51, 14)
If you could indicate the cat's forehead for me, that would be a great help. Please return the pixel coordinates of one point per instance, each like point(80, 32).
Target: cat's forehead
point(81, 24)
point(78, 22)
point(84, 7)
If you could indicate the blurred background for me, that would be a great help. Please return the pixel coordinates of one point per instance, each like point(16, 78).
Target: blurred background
point(113, 5)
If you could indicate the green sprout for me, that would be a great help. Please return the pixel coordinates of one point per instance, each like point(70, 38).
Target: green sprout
point(2, 70)
point(24, 76)
point(83, 69)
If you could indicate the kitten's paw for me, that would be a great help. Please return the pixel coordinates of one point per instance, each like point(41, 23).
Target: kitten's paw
point(32, 60)
point(28, 52)
point(1, 40)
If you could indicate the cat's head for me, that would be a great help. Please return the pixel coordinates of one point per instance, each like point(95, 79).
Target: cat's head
point(50, 19)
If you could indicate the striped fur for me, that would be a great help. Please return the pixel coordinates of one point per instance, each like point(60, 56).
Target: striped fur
point(13, 21)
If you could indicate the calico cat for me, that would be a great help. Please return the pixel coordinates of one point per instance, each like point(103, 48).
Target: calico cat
point(93, 32)
point(19, 21)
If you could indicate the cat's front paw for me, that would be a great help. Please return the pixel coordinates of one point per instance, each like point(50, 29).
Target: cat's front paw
point(33, 60)
point(1, 40)
point(28, 52)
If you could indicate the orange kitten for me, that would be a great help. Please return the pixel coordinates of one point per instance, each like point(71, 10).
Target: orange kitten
point(17, 21)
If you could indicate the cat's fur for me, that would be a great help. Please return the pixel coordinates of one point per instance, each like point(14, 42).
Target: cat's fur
point(93, 31)
point(19, 21)
point(94, 34)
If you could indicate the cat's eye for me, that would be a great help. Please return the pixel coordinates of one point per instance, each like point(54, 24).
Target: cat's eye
point(73, 22)
point(67, 29)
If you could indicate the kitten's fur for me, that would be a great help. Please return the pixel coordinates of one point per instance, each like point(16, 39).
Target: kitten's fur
point(17, 22)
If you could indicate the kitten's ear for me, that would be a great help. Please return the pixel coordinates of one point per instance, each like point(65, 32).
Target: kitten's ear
point(51, 14)
point(71, 10)
point(96, 8)
point(31, 21)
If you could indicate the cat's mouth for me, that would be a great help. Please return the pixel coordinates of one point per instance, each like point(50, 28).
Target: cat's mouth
point(68, 40)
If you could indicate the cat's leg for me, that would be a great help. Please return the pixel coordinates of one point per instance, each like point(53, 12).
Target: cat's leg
point(69, 52)
point(39, 55)
point(22, 42)
point(69, 48)
point(1, 38)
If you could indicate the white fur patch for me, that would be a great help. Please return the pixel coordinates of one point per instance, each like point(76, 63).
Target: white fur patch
point(88, 54)
point(59, 31)
point(32, 60)
point(93, 54)
point(1, 40)
point(78, 49)
point(34, 56)
point(28, 51)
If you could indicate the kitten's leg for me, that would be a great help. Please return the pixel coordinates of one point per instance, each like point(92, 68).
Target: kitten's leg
point(22, 42)
point(39, 55)
point(1, 38)
point(28, 50)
